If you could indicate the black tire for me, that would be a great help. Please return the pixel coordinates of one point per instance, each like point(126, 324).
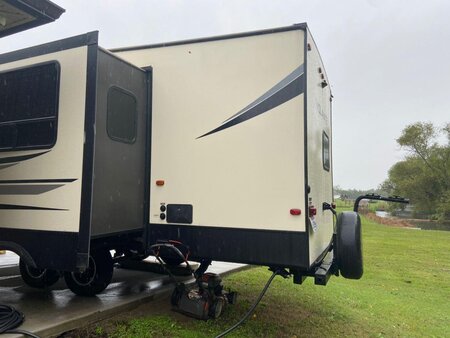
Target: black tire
point(95, 278)
point(37, 278)
point(349, 245)
point(217, 307)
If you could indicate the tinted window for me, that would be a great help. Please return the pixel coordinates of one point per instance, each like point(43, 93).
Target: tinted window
point(122, 115)
point(29, 107)
point(326, 151)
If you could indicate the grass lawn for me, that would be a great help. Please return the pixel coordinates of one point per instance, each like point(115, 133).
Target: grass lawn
point(405, 291)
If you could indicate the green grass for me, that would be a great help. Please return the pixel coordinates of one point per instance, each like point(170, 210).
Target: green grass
point(156, 326)
point(405, 292)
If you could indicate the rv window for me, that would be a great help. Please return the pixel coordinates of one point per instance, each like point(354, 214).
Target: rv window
point(326, 151)
point(122, 115)
point(29, 107)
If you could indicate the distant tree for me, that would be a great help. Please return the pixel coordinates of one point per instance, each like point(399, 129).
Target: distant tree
point(352, 194)
point(424, 175)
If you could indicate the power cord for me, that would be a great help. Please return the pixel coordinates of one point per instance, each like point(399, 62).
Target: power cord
point(276, 272)
point(155, 249)
point(10, 318)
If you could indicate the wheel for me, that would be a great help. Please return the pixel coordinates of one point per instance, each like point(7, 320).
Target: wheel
point(95, 278)
point(349, 246)
point(37, 278)
point(216, 309)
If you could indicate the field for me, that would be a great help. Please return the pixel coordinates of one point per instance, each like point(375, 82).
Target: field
point(405, 291)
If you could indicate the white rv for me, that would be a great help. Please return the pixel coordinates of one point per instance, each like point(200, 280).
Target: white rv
point(222, 144)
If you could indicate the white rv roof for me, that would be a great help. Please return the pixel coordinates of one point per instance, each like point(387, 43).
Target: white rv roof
point(302, 26)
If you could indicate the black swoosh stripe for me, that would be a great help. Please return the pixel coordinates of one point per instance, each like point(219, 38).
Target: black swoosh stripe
point(63, 180)
point(26, 207)
point(27, 189)
point(279, 86)
point(285, 90)
point(20, 158)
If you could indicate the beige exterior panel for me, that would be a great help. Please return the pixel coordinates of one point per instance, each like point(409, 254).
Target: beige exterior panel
point(63, 161)
point(249, 175)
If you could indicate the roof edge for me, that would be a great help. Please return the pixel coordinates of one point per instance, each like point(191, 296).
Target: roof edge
point(86, 39)
point(297, 26)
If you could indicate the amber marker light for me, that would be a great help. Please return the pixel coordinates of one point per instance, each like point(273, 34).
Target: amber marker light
point(160, 183)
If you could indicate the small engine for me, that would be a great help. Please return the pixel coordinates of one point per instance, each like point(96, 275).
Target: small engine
point(204, 302)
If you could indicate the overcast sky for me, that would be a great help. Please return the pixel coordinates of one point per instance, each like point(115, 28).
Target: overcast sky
point(388, 61)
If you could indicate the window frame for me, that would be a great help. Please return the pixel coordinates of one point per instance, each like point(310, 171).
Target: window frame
point(135, 114)
point(326, 164)
point(54, 118)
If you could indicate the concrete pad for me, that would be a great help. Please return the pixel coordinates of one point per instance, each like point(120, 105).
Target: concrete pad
point(56, 310)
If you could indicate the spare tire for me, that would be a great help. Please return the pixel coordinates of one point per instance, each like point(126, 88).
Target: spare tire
point(349, 245)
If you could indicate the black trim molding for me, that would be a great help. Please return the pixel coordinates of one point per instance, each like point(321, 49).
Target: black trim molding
point(40, 248)
point(299, 26)
point(88, 154)
point(239, 245)
point(51, 47)
point(42, 11)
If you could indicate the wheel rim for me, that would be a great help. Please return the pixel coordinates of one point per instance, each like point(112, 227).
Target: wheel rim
point(86, 277)
point(35, 272)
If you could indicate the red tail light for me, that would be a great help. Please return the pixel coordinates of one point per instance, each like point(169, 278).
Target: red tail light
point(296, 212)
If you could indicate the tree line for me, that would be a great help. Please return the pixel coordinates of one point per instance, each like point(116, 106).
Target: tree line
point(352, 194)
point(424, 175)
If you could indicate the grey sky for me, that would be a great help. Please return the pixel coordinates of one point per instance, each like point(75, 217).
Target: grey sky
point(388, 61)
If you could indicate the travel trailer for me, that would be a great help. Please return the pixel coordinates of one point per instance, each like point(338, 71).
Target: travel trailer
point(221, 145)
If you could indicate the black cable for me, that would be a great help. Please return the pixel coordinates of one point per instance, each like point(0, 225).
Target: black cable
point(166, 270)
point(10, 318)
point(261, 295)
point(178, 252)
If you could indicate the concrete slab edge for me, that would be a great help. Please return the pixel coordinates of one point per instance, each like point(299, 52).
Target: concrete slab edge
point(93, 317)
